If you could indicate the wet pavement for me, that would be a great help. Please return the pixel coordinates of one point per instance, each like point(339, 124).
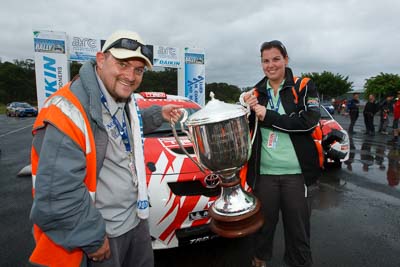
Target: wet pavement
point(355, 219)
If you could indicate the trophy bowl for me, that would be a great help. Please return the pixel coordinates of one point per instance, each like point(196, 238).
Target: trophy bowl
point(221, 140)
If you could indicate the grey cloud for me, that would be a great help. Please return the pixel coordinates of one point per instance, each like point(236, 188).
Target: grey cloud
point(355, 38)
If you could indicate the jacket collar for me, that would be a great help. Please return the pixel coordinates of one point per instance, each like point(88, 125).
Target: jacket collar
point(89, 82)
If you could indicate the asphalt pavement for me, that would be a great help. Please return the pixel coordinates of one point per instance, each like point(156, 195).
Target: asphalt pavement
point(355, 219)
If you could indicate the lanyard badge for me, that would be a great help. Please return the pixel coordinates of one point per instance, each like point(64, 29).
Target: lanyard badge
point(271, 102)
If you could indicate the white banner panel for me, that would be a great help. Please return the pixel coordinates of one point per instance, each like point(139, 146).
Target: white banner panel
point(51, 64)
point(195, 83)
point(83, 49)
point(166, 56)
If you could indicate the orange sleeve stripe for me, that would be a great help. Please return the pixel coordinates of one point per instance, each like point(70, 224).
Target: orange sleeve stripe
point(58, 119)
point(303, 83)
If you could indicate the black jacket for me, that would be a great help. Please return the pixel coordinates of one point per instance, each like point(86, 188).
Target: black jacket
point(299, 121)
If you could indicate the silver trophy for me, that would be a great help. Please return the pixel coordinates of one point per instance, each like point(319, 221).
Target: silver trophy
point(221, 140)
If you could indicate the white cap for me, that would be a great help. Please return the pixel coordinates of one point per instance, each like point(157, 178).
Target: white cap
point(122, 53)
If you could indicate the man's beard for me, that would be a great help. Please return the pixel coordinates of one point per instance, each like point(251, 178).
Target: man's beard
point(122, 100)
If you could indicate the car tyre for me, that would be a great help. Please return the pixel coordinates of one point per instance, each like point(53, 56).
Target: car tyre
point(337, 164)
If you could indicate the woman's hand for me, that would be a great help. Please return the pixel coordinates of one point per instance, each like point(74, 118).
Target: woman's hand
point(260, 111)
point(250, 99)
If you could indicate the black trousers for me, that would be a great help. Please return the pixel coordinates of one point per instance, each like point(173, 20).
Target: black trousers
point(353, 119)
point(369, 123)
point(285, 193)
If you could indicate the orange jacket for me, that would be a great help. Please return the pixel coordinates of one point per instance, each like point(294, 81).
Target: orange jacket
point(72, 121)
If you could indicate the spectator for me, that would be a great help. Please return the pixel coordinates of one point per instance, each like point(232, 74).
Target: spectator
point(353, 110)
point(369, 112)
point(385, 108)
point(396, 117)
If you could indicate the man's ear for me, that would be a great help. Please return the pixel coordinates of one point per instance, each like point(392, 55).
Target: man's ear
point(100, 58)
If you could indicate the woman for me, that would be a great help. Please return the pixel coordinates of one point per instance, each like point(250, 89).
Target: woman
point(284, 160)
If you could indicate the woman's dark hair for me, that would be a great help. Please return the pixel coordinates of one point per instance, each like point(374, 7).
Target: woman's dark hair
point(274, 44)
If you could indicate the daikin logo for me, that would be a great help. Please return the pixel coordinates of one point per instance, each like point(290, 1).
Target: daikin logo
point(51, 75)
point(169, 62)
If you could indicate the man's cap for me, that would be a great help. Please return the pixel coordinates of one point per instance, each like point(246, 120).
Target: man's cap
point(123, 53)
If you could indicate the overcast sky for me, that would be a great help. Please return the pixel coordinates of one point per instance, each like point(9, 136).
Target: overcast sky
point(355, 38)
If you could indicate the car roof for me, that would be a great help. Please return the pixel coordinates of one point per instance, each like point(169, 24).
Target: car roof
point(161, 99)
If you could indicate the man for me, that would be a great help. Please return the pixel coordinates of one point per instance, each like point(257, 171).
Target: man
point(90, 197)
point(396, 117)
point(369, 112)
point(352, 109)
point(385, 108)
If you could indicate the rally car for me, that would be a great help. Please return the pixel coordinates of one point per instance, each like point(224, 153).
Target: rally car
point(335, 140)
point(180, 193)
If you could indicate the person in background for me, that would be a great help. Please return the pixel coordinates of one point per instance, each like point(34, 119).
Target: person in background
point(90, 202)
point(287, 117)
point(369, 112)
point(396, 117)
point(353, 110)
point(385, 108)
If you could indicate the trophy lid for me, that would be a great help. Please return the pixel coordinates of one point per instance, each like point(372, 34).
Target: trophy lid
point(215, 111)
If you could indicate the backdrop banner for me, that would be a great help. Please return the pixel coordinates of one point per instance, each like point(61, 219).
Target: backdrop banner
point(82, 49)
point(166, 56)
point(195, 75)
point(51, 63)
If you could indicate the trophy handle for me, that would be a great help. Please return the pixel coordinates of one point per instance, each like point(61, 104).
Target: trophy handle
point(248, 111)
point(182, 122)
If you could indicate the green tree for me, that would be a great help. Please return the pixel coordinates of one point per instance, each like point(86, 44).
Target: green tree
point(223, 91)
point(382, 84)
point(329, 85)
point(160, 81)
point(17, 81)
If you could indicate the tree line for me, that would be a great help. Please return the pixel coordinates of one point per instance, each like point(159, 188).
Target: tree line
point(17, 83)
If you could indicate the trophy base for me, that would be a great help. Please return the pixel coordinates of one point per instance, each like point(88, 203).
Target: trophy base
point(237, 226)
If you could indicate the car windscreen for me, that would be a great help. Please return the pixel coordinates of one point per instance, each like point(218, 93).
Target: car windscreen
point(324, 114)
point(23, 105)
point(165, 129)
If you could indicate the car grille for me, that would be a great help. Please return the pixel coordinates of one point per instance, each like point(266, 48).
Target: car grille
point(194, 235)
point(193, 188)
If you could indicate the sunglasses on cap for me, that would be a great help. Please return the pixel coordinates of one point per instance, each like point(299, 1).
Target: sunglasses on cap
point(131, 45)
point(274, 43)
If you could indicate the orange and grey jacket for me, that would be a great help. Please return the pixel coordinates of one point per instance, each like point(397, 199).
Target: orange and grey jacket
point(68, 150)
point(64, 112)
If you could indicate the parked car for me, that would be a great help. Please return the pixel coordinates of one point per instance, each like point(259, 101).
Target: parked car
point(180, 194)
point(335, 140)
point(329, 107)
point(20, 109)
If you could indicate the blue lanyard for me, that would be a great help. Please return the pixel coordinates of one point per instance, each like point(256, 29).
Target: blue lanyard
point(271, 103)
point(123, 130)
point(140, 119)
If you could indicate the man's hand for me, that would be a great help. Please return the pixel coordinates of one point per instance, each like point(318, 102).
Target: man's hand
point(102, 253)
point(171, 112)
